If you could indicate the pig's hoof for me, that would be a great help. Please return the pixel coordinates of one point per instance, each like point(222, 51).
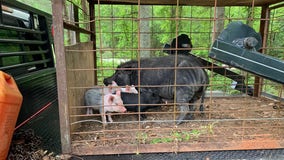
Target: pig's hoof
point(110, 121)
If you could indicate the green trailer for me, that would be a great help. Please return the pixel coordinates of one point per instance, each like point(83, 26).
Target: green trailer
point(26, 53)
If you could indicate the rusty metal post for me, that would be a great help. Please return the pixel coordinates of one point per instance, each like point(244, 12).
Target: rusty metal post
point(93, 36)
point(264, 23)
point(57, 17)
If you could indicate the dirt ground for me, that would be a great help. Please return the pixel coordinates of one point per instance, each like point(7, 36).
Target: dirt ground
point(228, 123)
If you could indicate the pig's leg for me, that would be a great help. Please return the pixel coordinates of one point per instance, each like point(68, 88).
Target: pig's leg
point(201, 107)
point(103, 114)
point(89, 110)
point(109, 117)
point(104, 119)
point(183, 98)
point(141, 116)
point(191, 108)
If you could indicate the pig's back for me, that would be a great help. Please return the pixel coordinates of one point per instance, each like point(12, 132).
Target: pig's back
point(168, 61)
point(93, 97)
point(129, 98)
point(163, 72)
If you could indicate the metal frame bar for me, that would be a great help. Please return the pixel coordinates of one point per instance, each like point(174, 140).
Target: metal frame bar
point(264, 23)
point(8, 54)
point(93, 36)
point(57, 8)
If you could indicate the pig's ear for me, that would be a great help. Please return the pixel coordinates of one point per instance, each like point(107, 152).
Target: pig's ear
point(118, 92)
point(129, 71)
point(113, 83)
point(109, 89)
point(129, 67)
point(129, 64)
point(133, 89)
point(110, 99)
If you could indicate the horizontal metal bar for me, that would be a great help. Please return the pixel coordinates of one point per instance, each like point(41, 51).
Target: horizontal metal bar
point(76, 28)
point(169, 121)
point(222, 71)
point(8, 54)
point(277, 5)
point(22, 41)
point(25, 64)
point(7, 27)
point(272, 96)
point(170, 147)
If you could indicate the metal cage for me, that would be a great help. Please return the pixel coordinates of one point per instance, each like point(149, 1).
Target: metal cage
point(243, 110)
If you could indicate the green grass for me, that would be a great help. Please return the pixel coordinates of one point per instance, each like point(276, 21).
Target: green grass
point(176, 135)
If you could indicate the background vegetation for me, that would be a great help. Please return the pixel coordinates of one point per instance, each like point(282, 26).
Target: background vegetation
point(126, 32)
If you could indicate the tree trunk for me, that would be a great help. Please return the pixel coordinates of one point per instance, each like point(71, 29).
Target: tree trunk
point(219, 24)
point(145, 31)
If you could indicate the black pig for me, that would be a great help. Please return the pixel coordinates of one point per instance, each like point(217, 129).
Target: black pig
point(147, 101)
point(182, 43)
point(183, 71)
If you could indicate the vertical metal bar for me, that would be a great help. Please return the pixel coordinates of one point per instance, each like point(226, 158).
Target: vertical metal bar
point(138, 62)
point(93, 36)
point(57, 9)
point(32, 22)
point(264, 23)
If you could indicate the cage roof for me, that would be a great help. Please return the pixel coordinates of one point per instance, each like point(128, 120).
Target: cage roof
point(194, 2)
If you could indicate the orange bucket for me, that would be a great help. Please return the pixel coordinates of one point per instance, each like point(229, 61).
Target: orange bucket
point(10, 104)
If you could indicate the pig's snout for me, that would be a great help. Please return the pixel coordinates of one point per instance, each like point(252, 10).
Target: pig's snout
point(123, 109)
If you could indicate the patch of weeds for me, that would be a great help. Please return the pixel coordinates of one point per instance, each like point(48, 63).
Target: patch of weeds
point(208, 128)
point(177, 136)
point(156, 140)
point(186, 136)
point(195, 133)
point(182, 136)
point(162, 140)
point(142, 137)
point(166, 140)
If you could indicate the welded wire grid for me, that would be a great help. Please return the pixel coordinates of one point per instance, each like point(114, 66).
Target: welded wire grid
point(232, 120)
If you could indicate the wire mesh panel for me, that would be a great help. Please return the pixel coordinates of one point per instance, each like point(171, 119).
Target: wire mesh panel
point(161, 53)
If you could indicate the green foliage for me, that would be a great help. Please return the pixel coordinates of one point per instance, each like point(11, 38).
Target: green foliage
point(179, 136)
point(276, 36)
point(43, 5)
point(117, 27)
point(117, 32)
point(142, 137)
